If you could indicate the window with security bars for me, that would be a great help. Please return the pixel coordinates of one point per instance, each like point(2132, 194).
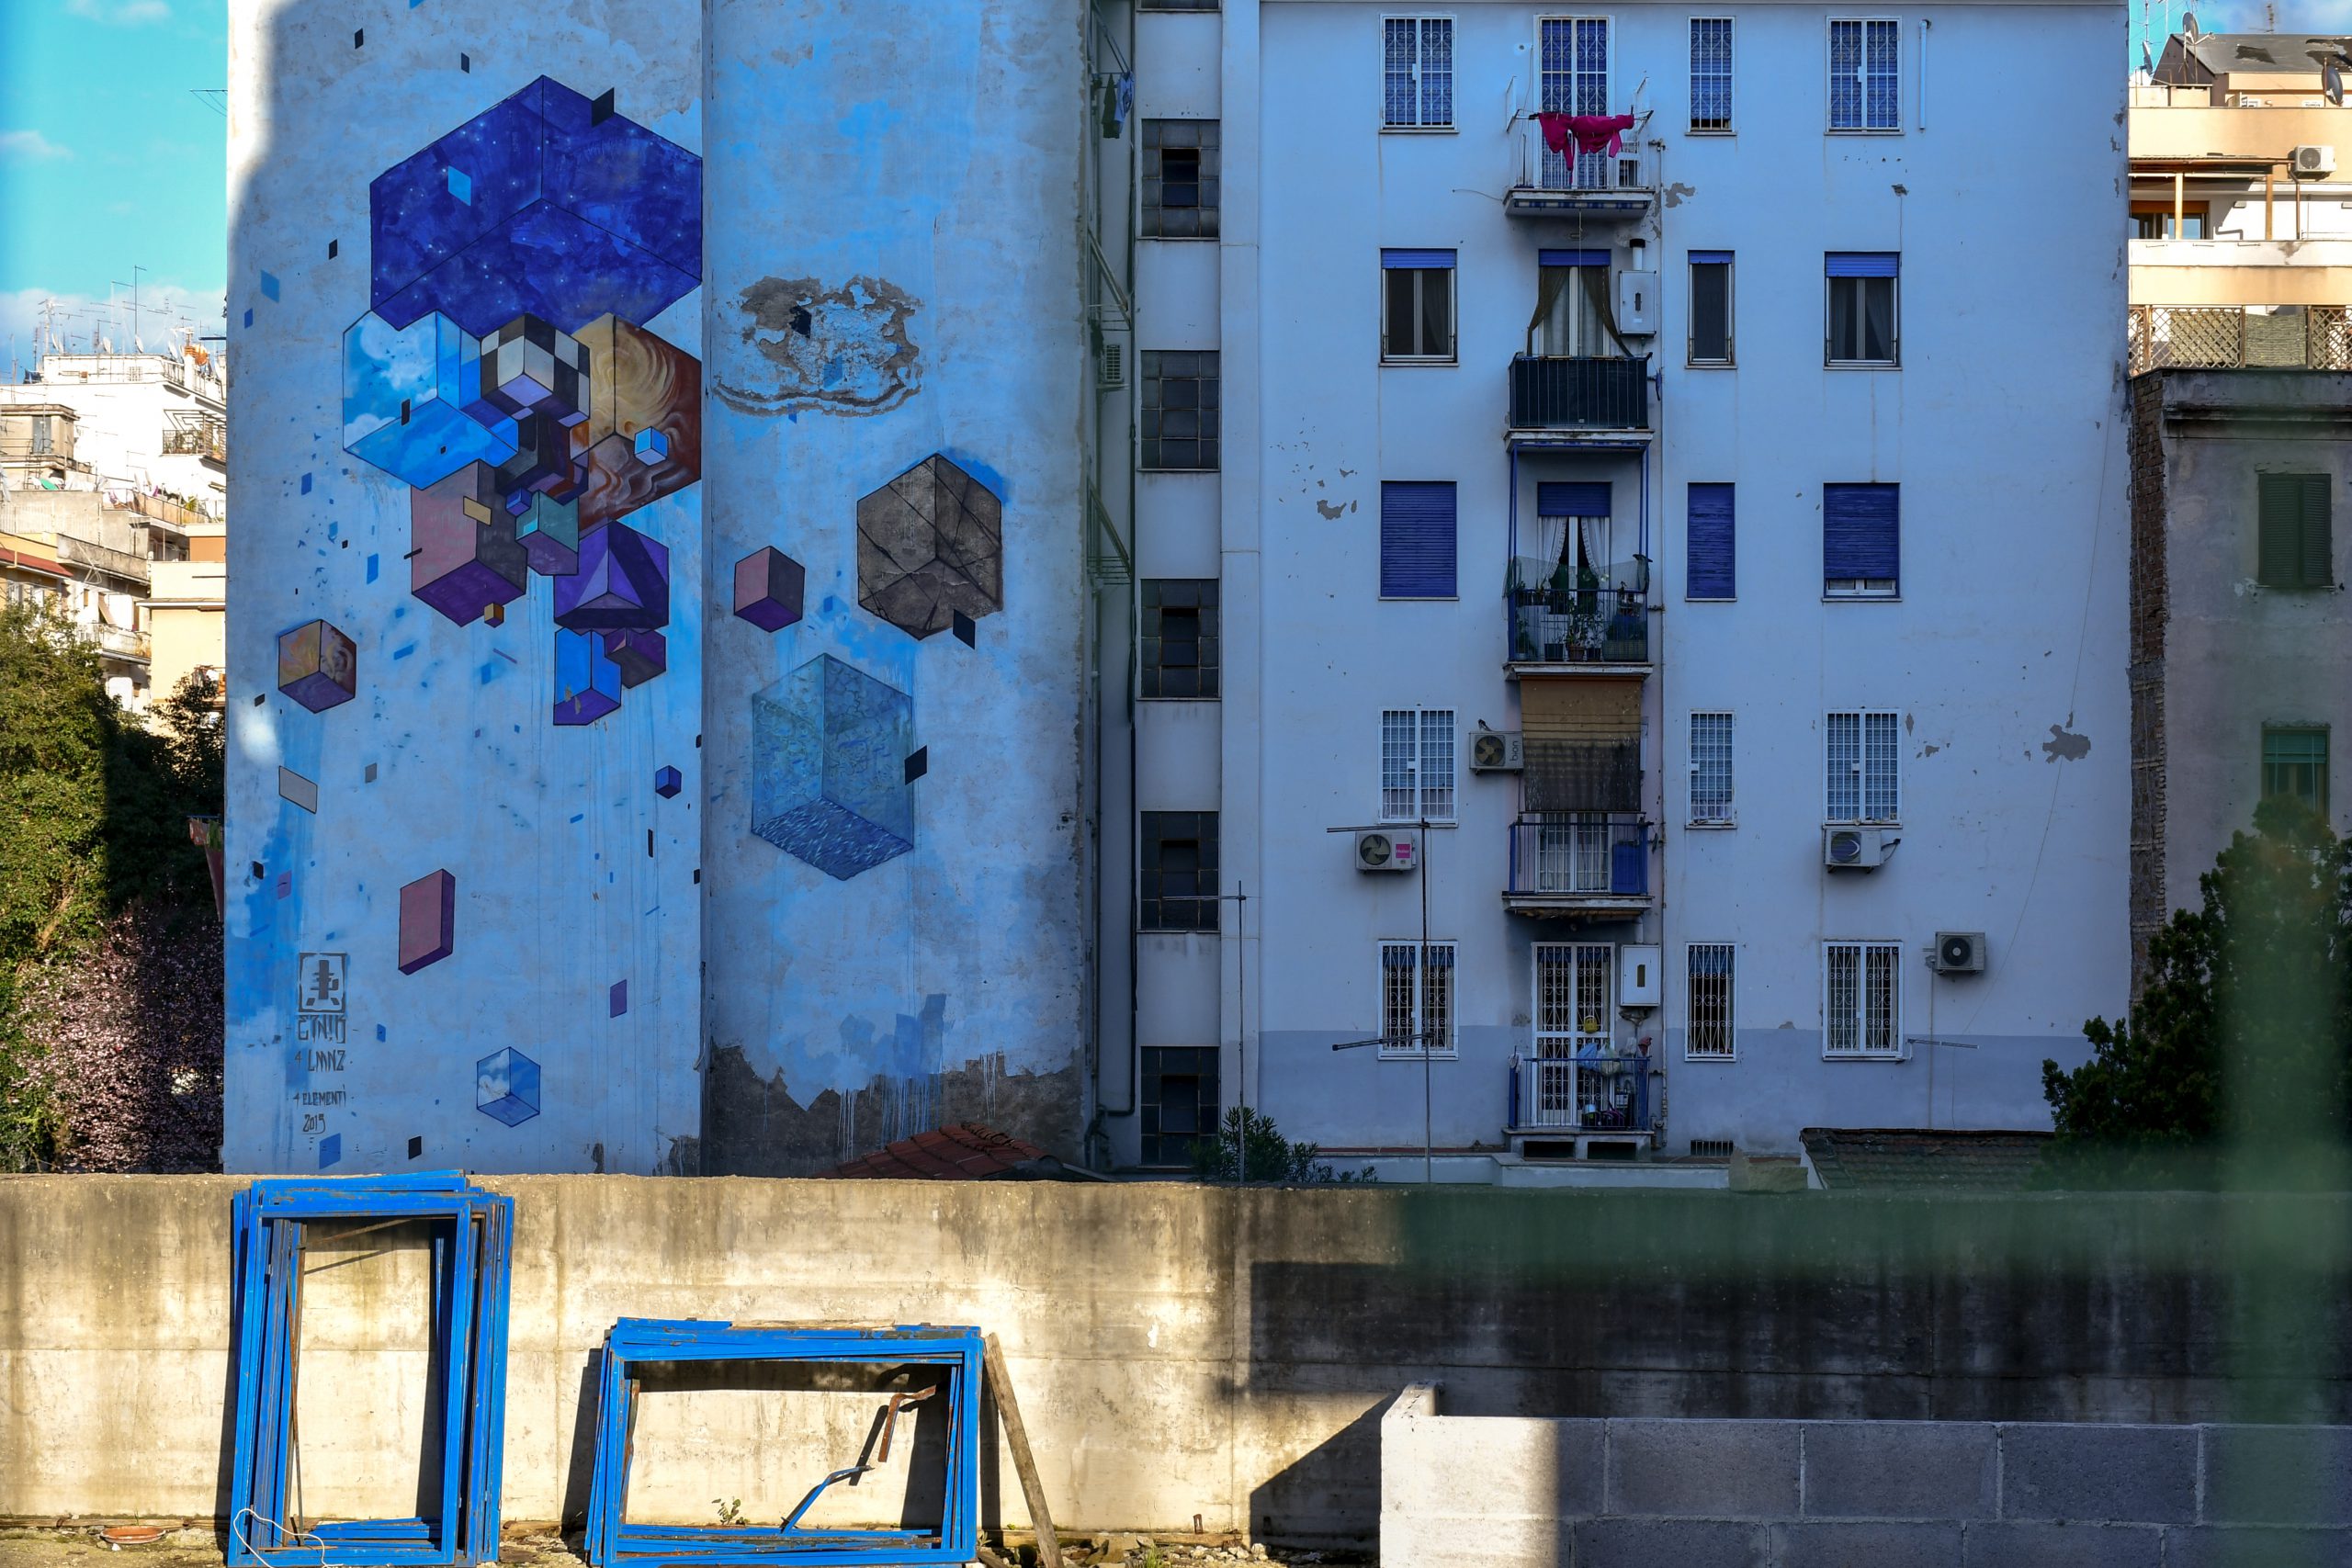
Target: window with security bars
point(1573, 78)
point(1180, 411)
point(1416, 999)
point(1178, 637)
point(1865, 74)
point(1864, 767)
point(1707, 1031)
point(1860, 999)
point(1711, 768)
point(1417, 765)
point(1179, 1103)
point(2294, 763)
point(1418, 75)
point(1571, 997)
point(2293, 543)
point(1176, 876)
point(1710, 73)
point(1180, 179)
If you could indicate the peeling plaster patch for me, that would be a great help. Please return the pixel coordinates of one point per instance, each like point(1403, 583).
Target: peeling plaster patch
point(2066, 746)
point(1931, 748)
point(1333, 510)
point(1677, 193)
point(841, 350)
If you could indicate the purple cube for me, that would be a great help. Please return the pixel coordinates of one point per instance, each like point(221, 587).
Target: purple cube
point(317, 666)
point(767, 589)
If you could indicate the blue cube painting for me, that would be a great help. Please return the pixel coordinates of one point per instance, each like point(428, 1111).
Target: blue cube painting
point(404, 396)
point(535, 206)
point(506, 1086)
point(829, 759)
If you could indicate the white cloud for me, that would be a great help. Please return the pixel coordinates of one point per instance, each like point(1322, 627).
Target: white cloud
point(29, 145)
point(122, 13)
point(82, 317)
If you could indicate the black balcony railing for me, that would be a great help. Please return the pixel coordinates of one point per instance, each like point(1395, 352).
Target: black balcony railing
point(1586, 1090)
point(1586, 393)
point(1595, 854)
point(1562, 618)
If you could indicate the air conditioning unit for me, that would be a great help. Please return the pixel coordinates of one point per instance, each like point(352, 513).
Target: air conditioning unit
point(1111, 368)
point(1497, 751)
point(1378, 850)
point(2312, 163)
point(1959, 953)
point(1857, 849)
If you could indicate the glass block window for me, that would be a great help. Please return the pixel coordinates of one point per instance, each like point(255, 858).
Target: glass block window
point(1180, 179)
point(1179, 1104)
point(1708, 1031)
point(1710, 767)
point(1417, 79)
point(1864, 767)
point(1416, 1004)
point(1865, 86)
point(1860, 999)
point(1177, 877)
point(1180, 642)
point(1417, 765)
point(2294, 762)
point(1179, 410)
point(1710, 73)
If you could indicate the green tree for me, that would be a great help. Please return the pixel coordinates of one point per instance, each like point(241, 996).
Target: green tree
point(1249, 1147)
point(2242, 1034)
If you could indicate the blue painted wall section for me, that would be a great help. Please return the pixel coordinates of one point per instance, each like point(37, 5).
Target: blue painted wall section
point(830, 745)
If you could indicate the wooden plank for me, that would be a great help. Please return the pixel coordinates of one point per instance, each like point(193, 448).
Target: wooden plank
point(1016, 1438)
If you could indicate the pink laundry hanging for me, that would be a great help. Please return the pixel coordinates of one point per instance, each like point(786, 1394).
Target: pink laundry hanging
point(1591, 131)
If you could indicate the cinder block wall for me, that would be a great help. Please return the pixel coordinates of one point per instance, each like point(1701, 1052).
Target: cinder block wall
point(1180, 1349)
point(1498, 1492)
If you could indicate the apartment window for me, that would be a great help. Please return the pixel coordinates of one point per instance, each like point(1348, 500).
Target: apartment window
point(41, 435)
point(1710, 73)
point(1179, 410)
point(1417, 77)
point(1860, 999)
point(1573, 78)
point(1710, 557)
point(1417, 765)
point(1864, 767)
point(1416, 539)
point(2156, 223)
point(1179, 1105)
point(1180, 179)
point(1710, 307)
point(1711, 769)
point(2294, 763)
point(1179, 871)
point(1861, 541)
point(1708, 1034)
point(1417, 305)
point(1416, 999)
point(1864, 323)
point(1178, 637)
point(1865, 61)
point(2292, 545)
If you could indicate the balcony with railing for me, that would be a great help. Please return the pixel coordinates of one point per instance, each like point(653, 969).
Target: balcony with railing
point(1597, 184)
point(208, 442)
point(115, 642)
point(1552, 394)
point(2234, 337)
point(1581, 623)
point(1589, 863)
point(1591, 1093)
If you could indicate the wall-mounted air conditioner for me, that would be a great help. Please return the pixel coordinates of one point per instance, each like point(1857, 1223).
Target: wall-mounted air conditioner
point(1112, 367)
point(1857, 849)
point(1959, 953)
point(1380, 851)
point(2312, 163)
point(1497, 750)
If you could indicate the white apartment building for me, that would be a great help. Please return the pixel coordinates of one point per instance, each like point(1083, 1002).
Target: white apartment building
point(1757, 482)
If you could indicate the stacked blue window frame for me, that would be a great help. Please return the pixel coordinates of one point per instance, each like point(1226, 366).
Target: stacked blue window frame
point(633, 1342)
point(472, 1244)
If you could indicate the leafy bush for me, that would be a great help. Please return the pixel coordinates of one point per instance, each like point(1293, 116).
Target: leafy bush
point(1249, 1147)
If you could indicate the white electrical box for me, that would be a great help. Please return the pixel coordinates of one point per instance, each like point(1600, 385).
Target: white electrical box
point(1637, 303)
point(1639, 978)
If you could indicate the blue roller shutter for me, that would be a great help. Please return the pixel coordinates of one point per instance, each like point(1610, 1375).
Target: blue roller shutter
point(1863, 263)
point(1572, 258)
point(1415, 540)
point(1572, 501)
point(1411, 259)
point(1862, 532)
point(1711, 554)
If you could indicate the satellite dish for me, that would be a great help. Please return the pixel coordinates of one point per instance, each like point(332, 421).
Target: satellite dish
point(2331, 82)
point(2147, 60)
point(2188, 26)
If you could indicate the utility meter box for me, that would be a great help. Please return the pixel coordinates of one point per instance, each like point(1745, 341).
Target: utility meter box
point(1637, 303)
point(1640, 980)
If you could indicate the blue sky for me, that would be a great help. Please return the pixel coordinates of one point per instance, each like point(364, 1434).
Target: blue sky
point(108, 160)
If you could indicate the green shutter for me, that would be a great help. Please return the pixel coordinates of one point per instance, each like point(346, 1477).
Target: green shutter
point(2315, 560)
point(2278, 546)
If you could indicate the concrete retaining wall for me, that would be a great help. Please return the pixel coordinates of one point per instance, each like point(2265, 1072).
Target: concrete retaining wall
point(1180, 1349)
point(1501, 1492)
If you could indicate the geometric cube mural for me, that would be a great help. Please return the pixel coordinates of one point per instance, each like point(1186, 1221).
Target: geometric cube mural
point(622, 582)
point(405, 393)
point(767, 589)
point(506, 1086)
point(317, 666)
point(428, 921)
point(929, 546)
point(828, 767)
point(642, 437)
point(587, 682)
point(464, 556)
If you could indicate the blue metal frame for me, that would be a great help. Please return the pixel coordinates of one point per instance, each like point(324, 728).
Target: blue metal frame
point(472, 1253)
point(613, 1542)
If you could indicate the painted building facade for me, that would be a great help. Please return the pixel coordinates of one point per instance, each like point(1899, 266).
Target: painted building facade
point(660, 646)
point(1731, 464)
